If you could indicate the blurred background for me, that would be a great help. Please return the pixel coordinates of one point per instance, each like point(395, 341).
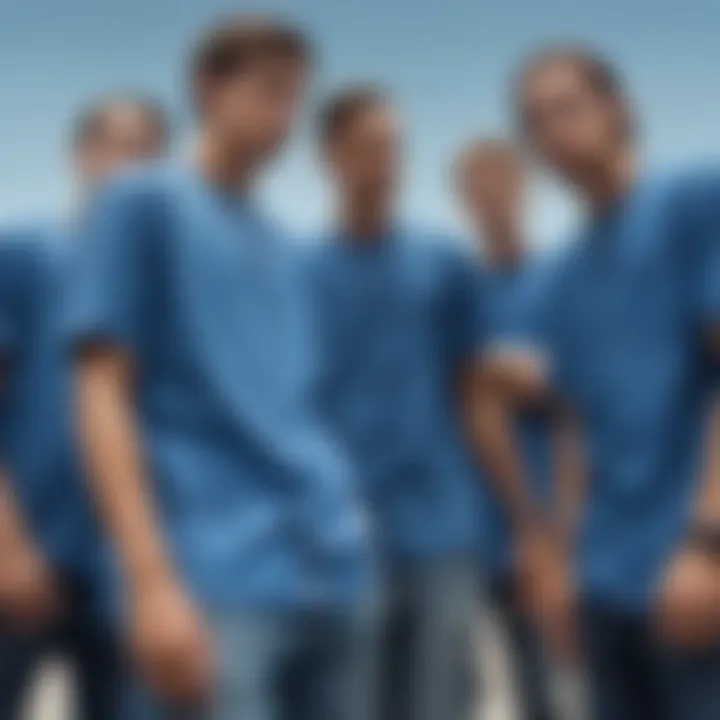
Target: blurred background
point(449, 63)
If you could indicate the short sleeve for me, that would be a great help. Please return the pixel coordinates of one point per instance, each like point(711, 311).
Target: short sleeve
point(702, 207)
point(19, 261)
point(110, 278)
point(462, 324)
point(533, 331)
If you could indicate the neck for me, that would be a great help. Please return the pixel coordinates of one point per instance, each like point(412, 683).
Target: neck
point(505, 243)
point(365, 220)
point(611, 179)
point(233, 171)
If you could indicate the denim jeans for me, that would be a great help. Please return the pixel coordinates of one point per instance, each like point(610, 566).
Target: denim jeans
point(634, 677)
point(529, 662)
point(425, 651)
point(82, 638)
point(312, 664)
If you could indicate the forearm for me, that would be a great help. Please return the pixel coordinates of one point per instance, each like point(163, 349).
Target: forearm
point(14, 536)
point(570, 475)
point(118, 477)
point(493, 435)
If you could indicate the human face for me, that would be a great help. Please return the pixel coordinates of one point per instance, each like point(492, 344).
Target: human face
point(491, 187)
point(571, 126)
point(253, 112)
point(365, 157)
point(129, 134)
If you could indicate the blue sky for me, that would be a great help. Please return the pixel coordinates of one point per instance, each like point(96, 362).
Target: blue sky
point(448, 61)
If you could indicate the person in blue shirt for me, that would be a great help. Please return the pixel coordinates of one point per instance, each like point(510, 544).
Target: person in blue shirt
point(49, 546)
point(242, 561)
point(511, 292)
point(631, 340)
point(393, 311)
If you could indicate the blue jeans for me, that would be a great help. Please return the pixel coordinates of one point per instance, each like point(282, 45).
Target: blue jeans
point(425, 649)
point(526, 653)
point(83, 639)
point(634, 677)
point(313, 664)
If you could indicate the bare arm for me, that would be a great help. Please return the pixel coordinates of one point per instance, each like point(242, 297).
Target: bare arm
point(118, 479)
point(167, 633)
point(13, 533)
point(489, 421)
point(570, 473)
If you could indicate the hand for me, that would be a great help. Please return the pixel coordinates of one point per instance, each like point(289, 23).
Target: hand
point(689, 607)
point(29, 596)
point(169, 642)
point(550, 595)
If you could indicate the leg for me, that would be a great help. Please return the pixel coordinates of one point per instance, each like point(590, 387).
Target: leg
point(693, 680)
point(533, 680)
point(334, 674)
point(19, 658)
point(442, 601)
point(623, 665)
point(253, 648)
point(94, 649)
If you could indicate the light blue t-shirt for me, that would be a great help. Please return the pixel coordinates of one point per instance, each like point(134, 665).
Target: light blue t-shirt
point(394, 322)
point(511, 301)
point(254, 497)
point(38, 423)
point(627, 323)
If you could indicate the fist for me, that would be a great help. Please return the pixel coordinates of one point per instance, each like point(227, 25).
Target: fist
point(29, 597)
point(689, 605)
point(170, 643)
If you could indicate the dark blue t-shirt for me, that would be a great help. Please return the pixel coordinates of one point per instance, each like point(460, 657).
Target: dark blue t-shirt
point(38, 423)
point(633, 301)
point(394, 322)
point(254, 497)
point(511, 301)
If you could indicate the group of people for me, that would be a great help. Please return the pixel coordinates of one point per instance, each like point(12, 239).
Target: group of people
point(250, 478)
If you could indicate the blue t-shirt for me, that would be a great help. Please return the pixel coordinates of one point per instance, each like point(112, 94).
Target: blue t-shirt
point(38, 424)
point(511, 302)
point(394, 322)
point(255, 499)
point(626, 325)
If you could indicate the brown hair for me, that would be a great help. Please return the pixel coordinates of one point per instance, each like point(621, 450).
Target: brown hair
point(594, 68)
point(233, 45)
point(342, 108)
point(92, 120)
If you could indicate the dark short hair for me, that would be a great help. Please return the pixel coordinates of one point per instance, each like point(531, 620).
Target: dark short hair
point(596, 70)
point(346, 105)
point(234, 44)
point(92, 120)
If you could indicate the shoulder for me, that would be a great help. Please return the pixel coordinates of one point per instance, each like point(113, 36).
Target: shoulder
point(142, 190)
point(26, 252)
point(686, 190)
